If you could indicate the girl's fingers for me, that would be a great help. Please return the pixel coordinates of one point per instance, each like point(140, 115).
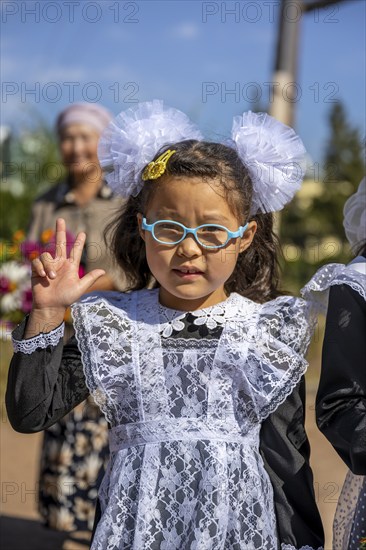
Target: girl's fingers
point(77, 249)
point(90, 278)
point(37, 268)
point(48, 264)
point(60, 238)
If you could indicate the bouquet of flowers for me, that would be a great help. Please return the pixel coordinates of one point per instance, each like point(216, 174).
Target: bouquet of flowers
point(15, 285)
point(15, 276)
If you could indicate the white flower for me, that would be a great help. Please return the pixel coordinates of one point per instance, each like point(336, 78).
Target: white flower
point(174, 324)
point(210, 317)
point(18, 277)
point(11, 301)
point(16, 273)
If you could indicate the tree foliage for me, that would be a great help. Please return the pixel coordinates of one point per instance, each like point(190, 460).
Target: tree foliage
point(29, 164)
point(312, 225)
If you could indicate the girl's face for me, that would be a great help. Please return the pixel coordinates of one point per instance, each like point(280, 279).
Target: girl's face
point(78, 147)
point(192, 202)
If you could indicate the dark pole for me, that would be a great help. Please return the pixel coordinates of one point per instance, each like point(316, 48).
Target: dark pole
point(284, 90)
point(309, 6)
point(284, 87)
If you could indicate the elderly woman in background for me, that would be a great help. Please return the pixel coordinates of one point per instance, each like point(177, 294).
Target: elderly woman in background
point(75, 449)
point(84, 200)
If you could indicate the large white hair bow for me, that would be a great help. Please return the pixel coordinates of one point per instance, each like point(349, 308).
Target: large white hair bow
point(272, 152)
point(275, 157)
point(134, 137)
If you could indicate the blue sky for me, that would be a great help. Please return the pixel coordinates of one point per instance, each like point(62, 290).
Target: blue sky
point(189, 53)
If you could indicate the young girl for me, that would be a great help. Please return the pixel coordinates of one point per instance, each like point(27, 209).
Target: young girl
point(187, 370)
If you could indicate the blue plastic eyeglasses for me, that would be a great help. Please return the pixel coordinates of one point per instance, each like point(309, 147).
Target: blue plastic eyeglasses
point(208, 235)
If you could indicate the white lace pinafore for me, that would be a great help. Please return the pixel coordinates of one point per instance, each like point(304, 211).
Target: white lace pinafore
point(185, 471)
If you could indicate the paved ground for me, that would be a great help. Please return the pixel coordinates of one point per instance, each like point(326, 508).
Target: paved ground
point(329, 470)
point(20, 529)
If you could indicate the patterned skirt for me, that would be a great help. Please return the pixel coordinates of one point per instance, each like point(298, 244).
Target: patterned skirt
point(74, 456)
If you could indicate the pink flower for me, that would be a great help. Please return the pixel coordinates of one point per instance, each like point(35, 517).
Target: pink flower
point(4, 285)
point(30, 249)
point(27, 300)
point(33, 249)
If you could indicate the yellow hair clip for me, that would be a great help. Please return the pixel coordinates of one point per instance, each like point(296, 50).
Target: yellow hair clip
point(157, 167)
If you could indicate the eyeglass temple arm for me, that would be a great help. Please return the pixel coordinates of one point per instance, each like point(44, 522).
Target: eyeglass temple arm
point(145, 225)
point(240, 231)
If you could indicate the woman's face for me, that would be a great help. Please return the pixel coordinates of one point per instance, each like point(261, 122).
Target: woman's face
point(78, 147)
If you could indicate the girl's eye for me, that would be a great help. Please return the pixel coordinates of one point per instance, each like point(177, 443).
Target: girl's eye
point(168, 226)
point(211, 229)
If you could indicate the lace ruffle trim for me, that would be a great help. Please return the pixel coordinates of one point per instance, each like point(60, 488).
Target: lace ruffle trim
point(41, 341)
point(296, 371)
point(329, 275)
point(83, 339)
point(290, 547)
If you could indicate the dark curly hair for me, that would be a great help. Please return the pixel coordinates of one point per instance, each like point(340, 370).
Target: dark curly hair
point(256, 274)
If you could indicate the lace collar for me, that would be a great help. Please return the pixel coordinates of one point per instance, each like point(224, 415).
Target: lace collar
point(211, 316)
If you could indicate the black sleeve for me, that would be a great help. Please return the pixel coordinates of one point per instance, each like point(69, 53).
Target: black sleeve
point(44, 385)
point(285, 451)
point(341, 398)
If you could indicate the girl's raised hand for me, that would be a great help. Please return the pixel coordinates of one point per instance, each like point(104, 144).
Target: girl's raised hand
point(55, 281)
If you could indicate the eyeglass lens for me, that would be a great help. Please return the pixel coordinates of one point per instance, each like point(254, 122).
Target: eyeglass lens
point(172, 233)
